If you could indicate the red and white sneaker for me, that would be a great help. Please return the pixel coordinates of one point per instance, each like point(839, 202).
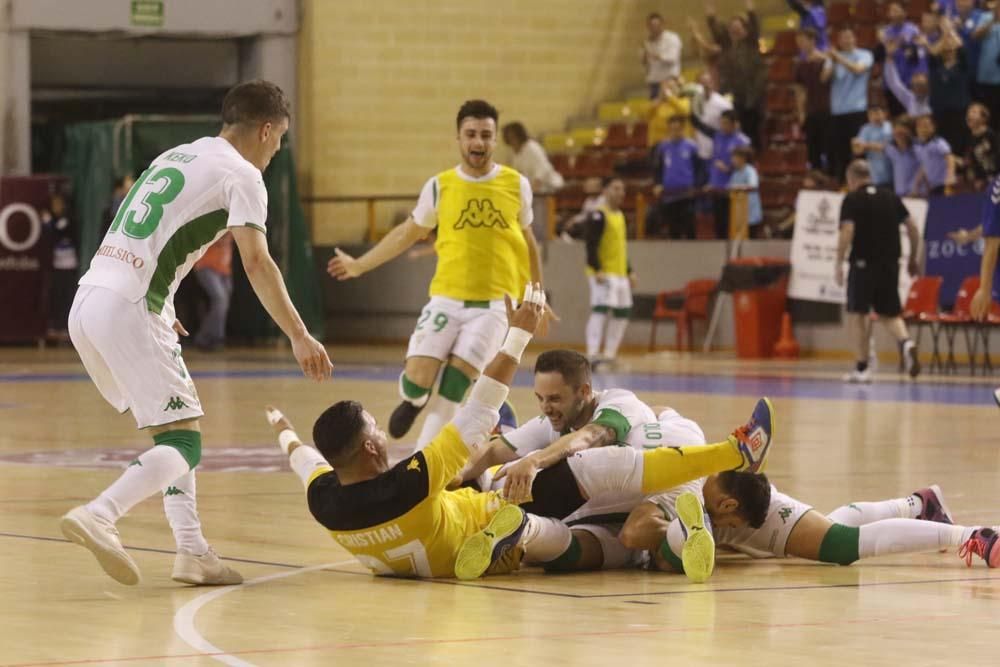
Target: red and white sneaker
point(934, 508)
point(983, 543)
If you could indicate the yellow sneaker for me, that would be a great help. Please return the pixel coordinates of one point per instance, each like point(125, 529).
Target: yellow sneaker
point(698, 554)
point(491, 545)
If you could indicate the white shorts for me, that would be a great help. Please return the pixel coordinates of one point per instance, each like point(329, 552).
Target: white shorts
point(615, 292)
point(448, 327)
point(611, 478)
point(670, 429)
point(769, 540)
point(133, 357)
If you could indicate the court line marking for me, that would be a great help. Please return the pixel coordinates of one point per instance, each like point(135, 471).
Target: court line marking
point(154, 550)
point(184, 617)
point(629, 630)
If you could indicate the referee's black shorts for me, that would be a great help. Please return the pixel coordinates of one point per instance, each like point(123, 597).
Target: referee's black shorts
point(873, 287)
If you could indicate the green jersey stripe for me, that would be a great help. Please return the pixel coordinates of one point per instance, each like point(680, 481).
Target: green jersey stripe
point(186, 240)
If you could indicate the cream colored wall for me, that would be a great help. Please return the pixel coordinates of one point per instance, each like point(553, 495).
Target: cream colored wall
point(381, 81)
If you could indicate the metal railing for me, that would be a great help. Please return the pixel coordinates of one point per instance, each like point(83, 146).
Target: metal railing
point(737, 212)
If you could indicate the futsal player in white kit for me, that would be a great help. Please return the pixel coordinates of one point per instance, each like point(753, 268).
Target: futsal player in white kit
point(124, 328)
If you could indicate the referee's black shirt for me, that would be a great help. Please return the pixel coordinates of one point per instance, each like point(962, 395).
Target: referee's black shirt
point(877, 214)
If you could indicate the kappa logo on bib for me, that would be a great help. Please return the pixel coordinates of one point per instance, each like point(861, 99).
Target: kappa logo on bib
point(481, 213)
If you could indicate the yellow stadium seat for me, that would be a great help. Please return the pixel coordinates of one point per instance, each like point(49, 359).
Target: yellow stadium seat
point(614, 112)
point(640, 107)
point(557, 142)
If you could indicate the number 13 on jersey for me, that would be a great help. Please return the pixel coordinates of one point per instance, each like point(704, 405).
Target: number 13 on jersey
point(143, 216)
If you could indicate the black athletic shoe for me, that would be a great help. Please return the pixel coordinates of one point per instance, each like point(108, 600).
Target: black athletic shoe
point(402, 418)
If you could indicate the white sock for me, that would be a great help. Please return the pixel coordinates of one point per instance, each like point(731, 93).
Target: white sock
point(613, 338)
point(439, 413)
point(305, 460)
point(181, 508)
point(893, 536)
point(150, 473)
point(616, 556)
point(859, 514)
point(676, 536)
point(595, 329)
point(545, 539)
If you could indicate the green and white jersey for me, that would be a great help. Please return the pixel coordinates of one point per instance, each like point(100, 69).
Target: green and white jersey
point(177, 208)
point(618, 409)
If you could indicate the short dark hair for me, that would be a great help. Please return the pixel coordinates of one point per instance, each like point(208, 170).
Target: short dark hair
point(859, 169)
point(653, 15)
point(516, 129)
point(744, 152)
point(810, 33)
point(676, 118)
point(876, 106)
point(608, 180)
point(255, 101)
point(573, 366)
point(730, 115)
point(751, 491)
point(336, 431)
point(476, 109)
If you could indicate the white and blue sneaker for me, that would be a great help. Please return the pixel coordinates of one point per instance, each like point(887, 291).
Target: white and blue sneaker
point(753, 439)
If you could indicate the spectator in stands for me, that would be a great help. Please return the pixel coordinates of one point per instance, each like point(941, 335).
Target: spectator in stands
point(671, 103)
point(946, 8)
point(849, 69)
point(987, 33)
point(871, 142)
point(65, 264)
point(745, 178)
point(529, 158)
point(902, 156)
point(951, 85)
point(915, 98)
point(812, 97)
point(724, 141)
point(982, 155)
point(931, 29)
point(214, 272)
point(909, 56)
point(574, 226)
point(708, 50)
point(937, 165)
point(661, 54)
point(676, 160)
point(812, 16)
point(741, 68)
point(965, 21)
point(708, 107)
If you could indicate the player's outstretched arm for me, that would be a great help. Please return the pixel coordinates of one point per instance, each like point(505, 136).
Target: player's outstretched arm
point(267, 283)
point(344, 267)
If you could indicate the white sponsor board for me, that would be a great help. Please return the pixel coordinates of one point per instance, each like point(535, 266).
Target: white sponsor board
point(814, 246)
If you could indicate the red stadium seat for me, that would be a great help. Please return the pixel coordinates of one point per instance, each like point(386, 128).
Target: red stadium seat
point(922, 308)
point(683, 306)
point(617, 136)
point(866, 36)
point(960, 317)
point(838, 13)
point(784, 44)
point(869, 12)
point(772, 162)
point(780, 99)
point(782, 70)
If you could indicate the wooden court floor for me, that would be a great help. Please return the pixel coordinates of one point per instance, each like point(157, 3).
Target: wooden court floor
point(306, 602)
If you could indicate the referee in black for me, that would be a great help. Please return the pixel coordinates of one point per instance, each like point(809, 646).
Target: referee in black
point(869, 225)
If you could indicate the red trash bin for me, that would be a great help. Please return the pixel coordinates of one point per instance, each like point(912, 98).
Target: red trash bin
point(758, 307)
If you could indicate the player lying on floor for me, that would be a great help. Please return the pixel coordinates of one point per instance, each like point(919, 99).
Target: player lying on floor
point(749, 515)
point(400, 520)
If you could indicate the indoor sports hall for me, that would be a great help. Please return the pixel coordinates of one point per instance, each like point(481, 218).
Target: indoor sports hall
point(700, 296)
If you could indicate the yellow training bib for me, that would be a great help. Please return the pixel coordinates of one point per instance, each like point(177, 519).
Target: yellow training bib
point(482, 254)
point(612, 251)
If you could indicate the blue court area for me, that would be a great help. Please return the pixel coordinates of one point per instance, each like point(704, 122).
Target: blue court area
point(741, 383)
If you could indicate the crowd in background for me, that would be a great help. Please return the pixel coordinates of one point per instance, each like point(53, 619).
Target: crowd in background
point(922, 106)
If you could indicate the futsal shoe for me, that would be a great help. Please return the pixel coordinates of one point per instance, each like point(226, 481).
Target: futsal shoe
point(204, 570)
point(858, 377)
point(934, 508)
point(996, 396)
point(490, 546)
point(983, 543)
point(698, 554)
point(402, 418)
point(82, 527)
point(753, 439)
